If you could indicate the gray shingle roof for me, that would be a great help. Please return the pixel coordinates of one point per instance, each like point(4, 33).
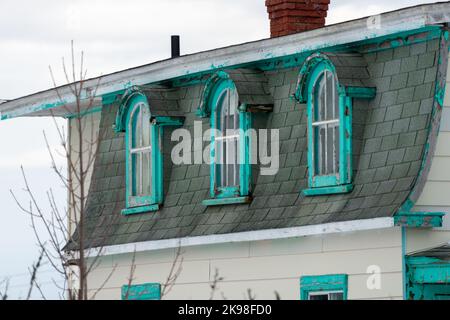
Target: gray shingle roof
point(389, 134)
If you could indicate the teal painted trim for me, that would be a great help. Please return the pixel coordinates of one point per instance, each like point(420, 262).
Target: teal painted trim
point(209, 93)
point(128, 99)
point(361, 92)
point(419, 219)
point(157, 163)
point(84, 113)
point(312, 67)
point(164, 121)
point(138, 210)
point(42, 107)
point(404, 266)
point(346, 137)
point(347, 188)
point(289, 61)
point(313, 284)
point(227, 192)
point(399, 39)
point(226, 201)
point(148, 291)
point(245, 142)
point(433, 127)
point(112, 97)
point(427, 278)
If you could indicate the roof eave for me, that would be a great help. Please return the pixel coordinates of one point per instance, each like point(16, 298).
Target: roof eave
point(348, 32)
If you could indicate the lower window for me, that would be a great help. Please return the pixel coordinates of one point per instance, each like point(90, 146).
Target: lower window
point(147, 291)
point(325, 287)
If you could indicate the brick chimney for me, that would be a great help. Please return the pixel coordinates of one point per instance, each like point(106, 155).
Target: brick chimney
point(293, 16)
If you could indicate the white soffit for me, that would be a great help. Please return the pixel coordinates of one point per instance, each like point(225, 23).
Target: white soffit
point(272, 234)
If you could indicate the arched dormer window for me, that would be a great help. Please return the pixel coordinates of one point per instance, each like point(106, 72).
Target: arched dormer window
point(329, 120)
point(139, 151)
point(143, 154)
point(230, 143)
point(143, 143)
point(329, 106)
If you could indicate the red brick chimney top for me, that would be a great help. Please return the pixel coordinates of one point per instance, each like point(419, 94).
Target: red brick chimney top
point(293, 16)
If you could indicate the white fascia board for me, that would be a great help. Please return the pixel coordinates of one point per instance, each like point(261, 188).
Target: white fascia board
point(272, 234)
point(338, 34)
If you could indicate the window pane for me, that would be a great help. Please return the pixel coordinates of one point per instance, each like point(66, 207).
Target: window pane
point(330, 98)
point(227, 164)
point(146, 174)
point(140, 158)
point(326, 125)
point(136, 180)
point(336, 296)
point(319, 297)
point(326, 296)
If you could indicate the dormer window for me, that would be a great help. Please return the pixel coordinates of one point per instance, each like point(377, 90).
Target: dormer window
point(140, 152)
point(326, 128)
point(329, 106)
point(144, 165)
point(230, 143)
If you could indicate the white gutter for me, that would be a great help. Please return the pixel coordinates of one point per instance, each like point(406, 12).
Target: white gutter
point(358, 30)
point(272, 234)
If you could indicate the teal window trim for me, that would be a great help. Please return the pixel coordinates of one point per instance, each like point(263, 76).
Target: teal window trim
point(343, 176)
point(147, 291)
point(226, 201)
point(143, 203)
point(345, 188)
point(324, 283)
point(221, 83)
point(143, 209)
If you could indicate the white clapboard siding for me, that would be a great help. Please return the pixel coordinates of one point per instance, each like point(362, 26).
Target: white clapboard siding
point(264, 266)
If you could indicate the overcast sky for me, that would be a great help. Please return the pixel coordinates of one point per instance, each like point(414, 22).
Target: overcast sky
point(114, 35)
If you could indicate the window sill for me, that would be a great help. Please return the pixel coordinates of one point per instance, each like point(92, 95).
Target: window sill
point(137, 210)
point(226, 201)
point(346, 188)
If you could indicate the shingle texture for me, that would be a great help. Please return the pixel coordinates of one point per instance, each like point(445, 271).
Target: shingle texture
point(389, 133)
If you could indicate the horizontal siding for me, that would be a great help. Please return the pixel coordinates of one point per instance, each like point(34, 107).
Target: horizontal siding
point(420, 239)
point(264, 267)
point(436, 193)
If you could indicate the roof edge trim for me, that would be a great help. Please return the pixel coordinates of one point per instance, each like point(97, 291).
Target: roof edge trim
point(261, 235)
point(347, 32)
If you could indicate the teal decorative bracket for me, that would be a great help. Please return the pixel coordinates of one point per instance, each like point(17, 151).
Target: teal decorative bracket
point(361, 92)
point(419, 219)
point(120, 123)
point(165, 121)
point(137, 210)
point(346, 188)
point(203, 109)
point(226, 201)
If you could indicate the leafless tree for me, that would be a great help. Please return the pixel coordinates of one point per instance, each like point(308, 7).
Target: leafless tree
point(214, 284)
point(174, 273)
point(68, 225)
point(4, 287)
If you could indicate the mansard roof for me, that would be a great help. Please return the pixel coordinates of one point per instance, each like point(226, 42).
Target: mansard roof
point(392, 138)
